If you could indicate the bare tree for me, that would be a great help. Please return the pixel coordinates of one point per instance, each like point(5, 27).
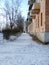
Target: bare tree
point(12, 9)
point(20, 22)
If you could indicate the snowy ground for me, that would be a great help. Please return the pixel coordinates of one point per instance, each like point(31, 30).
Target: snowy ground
point(23, 51)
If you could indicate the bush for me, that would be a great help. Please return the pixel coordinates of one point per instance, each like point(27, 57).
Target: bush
point(8, 32)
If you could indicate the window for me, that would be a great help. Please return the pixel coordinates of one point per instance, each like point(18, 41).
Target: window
point(41, 19)
point(38, 21)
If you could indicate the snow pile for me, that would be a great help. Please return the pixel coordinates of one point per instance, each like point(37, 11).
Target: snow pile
point(13, 38)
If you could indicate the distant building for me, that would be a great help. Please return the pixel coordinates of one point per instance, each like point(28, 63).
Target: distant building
point(39, 12)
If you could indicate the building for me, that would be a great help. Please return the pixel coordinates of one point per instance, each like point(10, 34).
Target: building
point(39, 12)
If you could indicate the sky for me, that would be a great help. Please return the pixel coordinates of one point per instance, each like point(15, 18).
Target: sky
point(23, 7)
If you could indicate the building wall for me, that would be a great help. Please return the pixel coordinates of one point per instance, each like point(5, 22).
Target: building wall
point(47, 16)
point(37, 23)
point(42, 16)
point(43, 30)
point(34, 26)
point(40, 25)
point(30, 28)
point(44, 9)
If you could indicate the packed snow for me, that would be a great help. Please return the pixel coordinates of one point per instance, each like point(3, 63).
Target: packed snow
point(23, 51)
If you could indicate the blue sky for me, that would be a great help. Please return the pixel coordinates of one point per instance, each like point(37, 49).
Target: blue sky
point(24, 8)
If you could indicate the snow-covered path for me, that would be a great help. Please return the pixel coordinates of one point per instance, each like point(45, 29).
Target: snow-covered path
point(23, 51)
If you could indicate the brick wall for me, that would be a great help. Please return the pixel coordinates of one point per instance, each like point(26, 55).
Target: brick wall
point(39, 27)
point(47, 16)
point(42, 11)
